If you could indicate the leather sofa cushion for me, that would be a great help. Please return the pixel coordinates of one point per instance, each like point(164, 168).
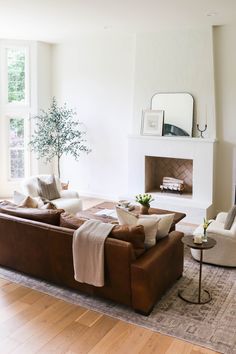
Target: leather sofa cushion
point(133, 234)
point(70, 221)
point(51, 217)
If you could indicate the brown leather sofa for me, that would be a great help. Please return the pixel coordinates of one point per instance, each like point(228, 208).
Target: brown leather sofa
point(45, 251)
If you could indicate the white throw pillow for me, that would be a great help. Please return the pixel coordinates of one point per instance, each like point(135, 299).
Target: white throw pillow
point(20, 199)
point(164, 226)
point(151, 226)
point(149, 222)
point(125, 217)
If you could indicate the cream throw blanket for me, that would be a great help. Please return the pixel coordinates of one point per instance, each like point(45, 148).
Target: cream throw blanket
point(88, 252)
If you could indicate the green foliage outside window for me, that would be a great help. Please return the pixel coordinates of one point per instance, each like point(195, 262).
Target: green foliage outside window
point(16, 75)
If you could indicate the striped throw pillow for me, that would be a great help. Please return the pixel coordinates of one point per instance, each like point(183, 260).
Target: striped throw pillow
point(48, 190)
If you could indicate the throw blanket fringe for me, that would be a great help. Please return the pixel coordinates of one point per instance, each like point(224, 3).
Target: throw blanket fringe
point(88, 252)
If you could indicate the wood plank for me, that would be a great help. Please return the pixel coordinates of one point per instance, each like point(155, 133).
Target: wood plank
point(50, 330)
point(89, 318)
point(63, 339)
point(42, 321)
point(10, 326)
point(93, 335)
point(178, 346)
point(157, 343)
point(123, 338)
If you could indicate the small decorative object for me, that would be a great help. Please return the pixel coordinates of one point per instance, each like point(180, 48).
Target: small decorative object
point(206, 223)
point(152, 122)
point(123, 203)
point(64, 185)
point(201, 130)
point(172, 184)
point(145, 200)
point(197, 239)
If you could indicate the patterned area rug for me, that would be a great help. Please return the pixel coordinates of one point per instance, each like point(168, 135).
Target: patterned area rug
point(212, 325)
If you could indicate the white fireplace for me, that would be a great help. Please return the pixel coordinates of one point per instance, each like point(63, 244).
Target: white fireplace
point(198, 203)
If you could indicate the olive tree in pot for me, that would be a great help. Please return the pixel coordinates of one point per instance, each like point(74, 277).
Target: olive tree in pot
point(58, 133)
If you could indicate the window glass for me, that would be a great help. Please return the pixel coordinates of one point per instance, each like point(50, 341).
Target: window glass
point(17, 147)
point(17, 163)
point(16, 74)
point(16, 132)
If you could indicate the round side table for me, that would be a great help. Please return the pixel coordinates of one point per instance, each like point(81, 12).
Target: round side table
point(188, 240)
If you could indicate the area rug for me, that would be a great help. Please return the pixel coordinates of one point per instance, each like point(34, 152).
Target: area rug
point(212, 325)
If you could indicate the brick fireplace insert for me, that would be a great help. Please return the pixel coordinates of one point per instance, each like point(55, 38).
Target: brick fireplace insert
point(158, 167)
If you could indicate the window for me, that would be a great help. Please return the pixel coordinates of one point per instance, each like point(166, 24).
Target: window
point(17, 147)
point(16, 74)
point(15, 107)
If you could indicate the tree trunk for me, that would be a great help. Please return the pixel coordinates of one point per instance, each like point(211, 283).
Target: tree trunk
point(58, 167)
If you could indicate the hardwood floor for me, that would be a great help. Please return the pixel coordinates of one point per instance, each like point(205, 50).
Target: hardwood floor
point(33, 322)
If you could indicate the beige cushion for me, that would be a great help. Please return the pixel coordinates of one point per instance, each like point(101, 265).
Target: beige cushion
point(230, 218)
point(164, 226)
point(125, 217)
point(48, 190)
point(29, 202)
point(48, 205)
point(149, 222)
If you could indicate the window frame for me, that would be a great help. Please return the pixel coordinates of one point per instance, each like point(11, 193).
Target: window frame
point(15, 109)
point(26, 102)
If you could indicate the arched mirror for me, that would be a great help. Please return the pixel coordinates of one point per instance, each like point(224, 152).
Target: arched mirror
point(178, 112)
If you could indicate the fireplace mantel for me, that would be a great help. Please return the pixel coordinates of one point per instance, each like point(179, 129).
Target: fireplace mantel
point(173, 138)
point(200, 150)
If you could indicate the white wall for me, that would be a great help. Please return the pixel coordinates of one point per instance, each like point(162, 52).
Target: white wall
point(225, 78)
point(94, 74)
point(110, 79)
point(41, 82)
point(176, 61)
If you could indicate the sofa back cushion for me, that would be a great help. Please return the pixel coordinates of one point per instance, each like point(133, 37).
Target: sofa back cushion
point(51, 217)
point(133, 234)
point(70, 221)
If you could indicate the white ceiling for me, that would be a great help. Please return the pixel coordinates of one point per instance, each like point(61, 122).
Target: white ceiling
point(55, 20)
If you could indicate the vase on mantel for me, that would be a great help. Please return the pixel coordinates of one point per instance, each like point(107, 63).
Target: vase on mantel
point(144, 209)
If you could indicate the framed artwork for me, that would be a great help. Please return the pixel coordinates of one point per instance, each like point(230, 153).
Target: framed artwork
point(152, 122)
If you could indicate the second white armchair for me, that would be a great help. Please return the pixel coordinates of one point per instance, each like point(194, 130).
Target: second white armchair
point(224, 253)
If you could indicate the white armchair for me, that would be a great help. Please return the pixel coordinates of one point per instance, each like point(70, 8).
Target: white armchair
point(224, 253)
point(69, 199)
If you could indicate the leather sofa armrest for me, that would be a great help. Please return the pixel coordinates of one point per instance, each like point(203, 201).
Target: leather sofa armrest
point(118, 259)
point(155, 271)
